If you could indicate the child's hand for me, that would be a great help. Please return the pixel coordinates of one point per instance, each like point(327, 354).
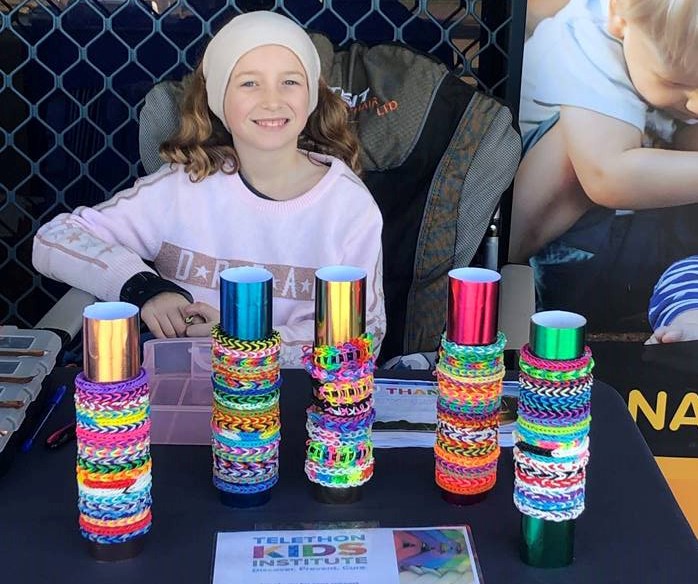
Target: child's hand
point(683, 328)
point(201, 318)
point(163, 315)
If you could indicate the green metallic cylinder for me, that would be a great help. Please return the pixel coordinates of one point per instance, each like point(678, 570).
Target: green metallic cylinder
point(557, 335)
point(546, 544)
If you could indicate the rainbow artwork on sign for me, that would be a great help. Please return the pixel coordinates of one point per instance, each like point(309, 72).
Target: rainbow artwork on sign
point(433, 555)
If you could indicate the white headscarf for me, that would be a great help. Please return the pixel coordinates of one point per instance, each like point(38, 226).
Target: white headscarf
point(249, 31)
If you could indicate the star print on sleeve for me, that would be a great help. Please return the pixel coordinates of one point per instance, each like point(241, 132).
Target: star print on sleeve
point(202, 272)
point(199, 269)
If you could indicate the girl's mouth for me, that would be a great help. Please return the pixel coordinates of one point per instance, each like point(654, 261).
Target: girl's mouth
point(272, 123)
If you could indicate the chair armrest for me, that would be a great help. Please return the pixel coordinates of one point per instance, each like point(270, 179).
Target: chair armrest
point(516, 304)
point(65, 317)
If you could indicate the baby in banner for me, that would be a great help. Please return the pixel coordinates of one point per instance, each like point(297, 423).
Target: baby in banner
point(598, 78)
point(262, 172)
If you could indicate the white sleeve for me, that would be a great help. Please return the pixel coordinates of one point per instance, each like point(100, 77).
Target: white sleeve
point(576, 63)
point(97, 249)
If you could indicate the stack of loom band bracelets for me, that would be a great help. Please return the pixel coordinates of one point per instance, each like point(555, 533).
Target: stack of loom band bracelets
point(339, 455)
point(245, 422)
point(112, 409)
point(551, 447)
point(469, 370)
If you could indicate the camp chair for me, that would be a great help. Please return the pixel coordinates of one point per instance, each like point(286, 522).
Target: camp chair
point(437, 156)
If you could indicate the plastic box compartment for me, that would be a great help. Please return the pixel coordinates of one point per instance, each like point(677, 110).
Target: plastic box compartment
point(181, 394)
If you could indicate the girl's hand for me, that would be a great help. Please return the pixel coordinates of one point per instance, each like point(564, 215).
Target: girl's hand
point(163, 315)
point(200, 318)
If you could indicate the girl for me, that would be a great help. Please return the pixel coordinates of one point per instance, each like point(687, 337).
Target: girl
point(262, 172)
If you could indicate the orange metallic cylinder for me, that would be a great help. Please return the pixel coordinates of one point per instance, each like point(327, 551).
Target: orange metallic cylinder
point(111, 348)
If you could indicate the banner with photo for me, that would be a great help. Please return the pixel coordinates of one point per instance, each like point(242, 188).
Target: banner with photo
point(604, 204)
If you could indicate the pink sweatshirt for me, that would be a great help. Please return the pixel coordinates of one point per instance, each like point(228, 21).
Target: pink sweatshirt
point(193, 231)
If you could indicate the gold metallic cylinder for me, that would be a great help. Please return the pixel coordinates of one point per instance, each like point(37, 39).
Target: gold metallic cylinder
point(340, 304)
point(111, 348)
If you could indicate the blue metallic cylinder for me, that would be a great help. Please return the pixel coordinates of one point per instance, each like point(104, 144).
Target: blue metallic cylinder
point(246, 303)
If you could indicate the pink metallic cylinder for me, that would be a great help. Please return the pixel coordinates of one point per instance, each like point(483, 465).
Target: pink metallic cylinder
point(473, 303)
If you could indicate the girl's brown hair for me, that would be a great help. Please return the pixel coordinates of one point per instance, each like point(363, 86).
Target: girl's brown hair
point(203, 145)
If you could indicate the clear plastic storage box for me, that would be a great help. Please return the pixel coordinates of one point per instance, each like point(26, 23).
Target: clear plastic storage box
point(181, 394)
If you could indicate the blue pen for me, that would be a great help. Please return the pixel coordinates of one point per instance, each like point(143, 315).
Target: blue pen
point(52, 405)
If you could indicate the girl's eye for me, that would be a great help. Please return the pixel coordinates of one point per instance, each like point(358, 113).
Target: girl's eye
point(247, 84)
point(291, 82)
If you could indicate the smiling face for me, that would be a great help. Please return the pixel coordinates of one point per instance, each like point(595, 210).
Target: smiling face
point(266, 101)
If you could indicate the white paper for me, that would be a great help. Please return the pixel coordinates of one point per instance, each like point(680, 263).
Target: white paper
point(406, 413)
point(346, 556)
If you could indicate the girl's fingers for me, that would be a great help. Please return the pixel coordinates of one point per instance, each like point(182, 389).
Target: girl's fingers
point(177, 322)
point(199, 330)
point(193, 319)
point(153, 325)
point(202, 310)
point(167, 329)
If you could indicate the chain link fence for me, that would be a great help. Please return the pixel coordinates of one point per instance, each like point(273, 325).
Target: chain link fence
point(74, 73)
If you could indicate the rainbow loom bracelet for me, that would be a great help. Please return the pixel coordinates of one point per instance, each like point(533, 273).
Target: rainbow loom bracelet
point(339, 450)
point(113, 460)
point(552, 443)
point(245, 421)
point(470, 390)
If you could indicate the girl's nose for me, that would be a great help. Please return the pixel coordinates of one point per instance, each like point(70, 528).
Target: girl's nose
point(271, 98)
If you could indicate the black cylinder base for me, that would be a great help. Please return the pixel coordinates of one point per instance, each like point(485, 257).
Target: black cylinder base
point(116, 552)
point(462, 500)
point(245, 500)
point(337, 496)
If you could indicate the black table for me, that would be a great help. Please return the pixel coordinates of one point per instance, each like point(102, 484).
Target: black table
point(632, 530)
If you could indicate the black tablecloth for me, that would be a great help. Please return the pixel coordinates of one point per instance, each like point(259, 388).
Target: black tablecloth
point(632, 530)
